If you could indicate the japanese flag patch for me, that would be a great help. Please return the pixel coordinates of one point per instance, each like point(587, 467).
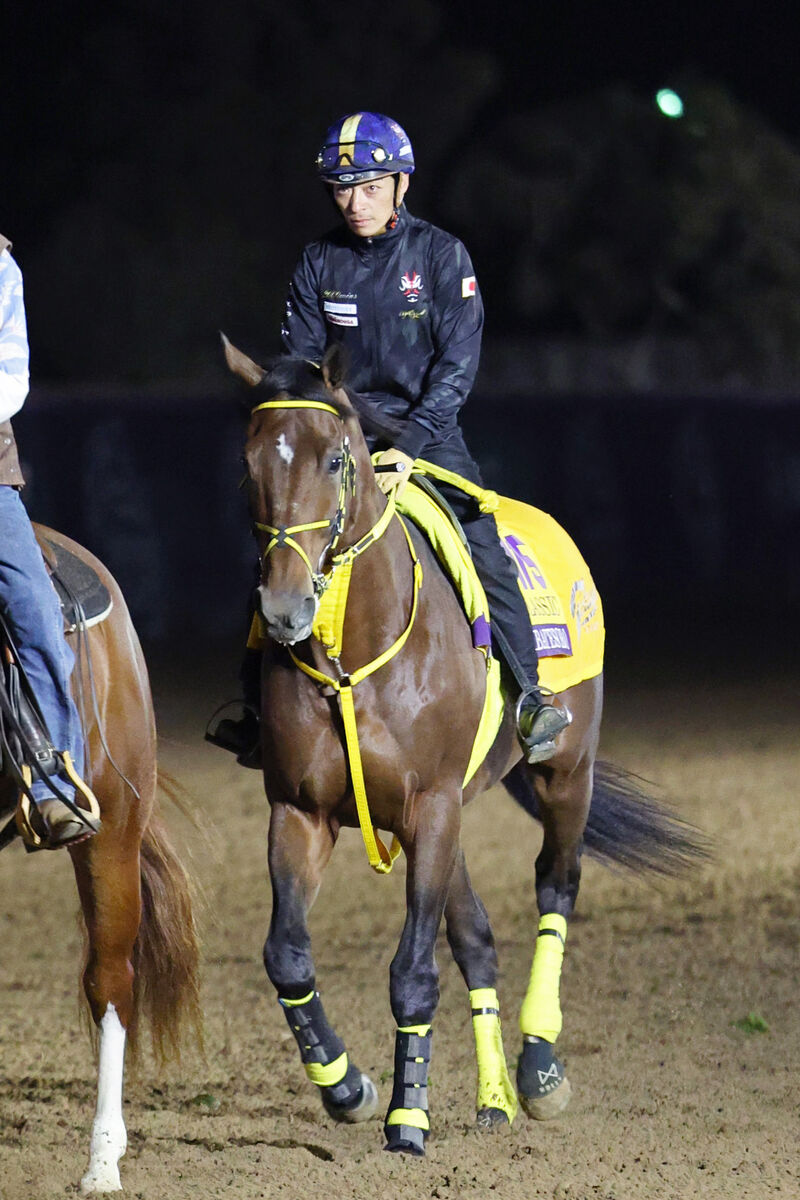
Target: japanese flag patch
point(468, 287)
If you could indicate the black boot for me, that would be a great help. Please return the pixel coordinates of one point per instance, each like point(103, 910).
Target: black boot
point(538, 725)
point(241, 735)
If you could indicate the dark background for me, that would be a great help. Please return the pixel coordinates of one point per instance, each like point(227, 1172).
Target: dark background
point(641, 276)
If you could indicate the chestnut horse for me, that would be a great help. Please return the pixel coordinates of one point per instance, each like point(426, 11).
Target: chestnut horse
point(142, 953)
point(387, 719)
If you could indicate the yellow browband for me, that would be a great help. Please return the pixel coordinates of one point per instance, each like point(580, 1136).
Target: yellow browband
point(380, 859)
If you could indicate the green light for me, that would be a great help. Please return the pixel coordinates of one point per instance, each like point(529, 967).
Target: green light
point(669, 103)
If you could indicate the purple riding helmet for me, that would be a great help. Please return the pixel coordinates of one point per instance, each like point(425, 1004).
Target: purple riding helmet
point(363, 146)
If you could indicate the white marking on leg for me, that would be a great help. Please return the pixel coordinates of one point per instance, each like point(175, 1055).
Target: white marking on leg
point(109, 1139)
point(284, 449)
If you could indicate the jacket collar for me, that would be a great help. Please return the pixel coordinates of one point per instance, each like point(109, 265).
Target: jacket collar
point(384, 243)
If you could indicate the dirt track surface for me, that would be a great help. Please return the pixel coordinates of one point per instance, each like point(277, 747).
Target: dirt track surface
point(671, 1099)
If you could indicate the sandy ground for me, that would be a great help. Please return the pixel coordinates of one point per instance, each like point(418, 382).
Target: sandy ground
point(671, 1098)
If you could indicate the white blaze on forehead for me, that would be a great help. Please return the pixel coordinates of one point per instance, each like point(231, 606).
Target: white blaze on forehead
point(284, 449)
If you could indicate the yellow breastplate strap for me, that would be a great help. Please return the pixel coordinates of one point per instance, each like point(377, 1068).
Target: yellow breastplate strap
point(329, 629)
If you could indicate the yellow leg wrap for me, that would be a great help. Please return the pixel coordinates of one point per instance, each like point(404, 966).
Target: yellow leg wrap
point(541, 1008)
point(495, 1089)
point(327, 1074)
point(409, 1116)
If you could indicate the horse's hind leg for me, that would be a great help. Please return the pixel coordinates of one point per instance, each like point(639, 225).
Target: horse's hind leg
point(564, 792)
point(299, 848)
point(470, 936)
point(108, 883)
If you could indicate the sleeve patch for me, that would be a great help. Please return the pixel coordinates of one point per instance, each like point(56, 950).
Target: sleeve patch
point(468, 287)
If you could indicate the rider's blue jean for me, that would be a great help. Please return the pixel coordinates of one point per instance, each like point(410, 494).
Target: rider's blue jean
point(33, 612)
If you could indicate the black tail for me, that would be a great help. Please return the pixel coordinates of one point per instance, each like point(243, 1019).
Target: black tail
point(626, 827)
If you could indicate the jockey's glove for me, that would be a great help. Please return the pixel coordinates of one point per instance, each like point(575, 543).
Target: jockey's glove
point(395, 480)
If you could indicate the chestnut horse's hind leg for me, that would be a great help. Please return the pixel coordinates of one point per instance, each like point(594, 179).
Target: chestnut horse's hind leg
point(299, 848)
point(470, 936)
point(108, 883)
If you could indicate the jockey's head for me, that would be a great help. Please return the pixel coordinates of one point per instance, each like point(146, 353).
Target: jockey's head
point(366, 159)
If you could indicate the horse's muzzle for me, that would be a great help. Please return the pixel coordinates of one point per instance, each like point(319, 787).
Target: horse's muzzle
point(288, 617)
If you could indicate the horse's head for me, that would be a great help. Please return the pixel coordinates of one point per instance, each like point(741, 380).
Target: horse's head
point(301, 441)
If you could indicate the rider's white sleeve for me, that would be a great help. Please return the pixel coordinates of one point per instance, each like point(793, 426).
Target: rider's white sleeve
point(13, 339)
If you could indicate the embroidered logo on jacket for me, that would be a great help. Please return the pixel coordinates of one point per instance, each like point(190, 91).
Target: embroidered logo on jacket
point(411, 286)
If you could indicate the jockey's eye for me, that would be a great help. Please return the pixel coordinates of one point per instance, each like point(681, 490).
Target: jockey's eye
point(334, 464)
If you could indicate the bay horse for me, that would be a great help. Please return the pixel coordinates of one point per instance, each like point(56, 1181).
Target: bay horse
point(142, 951)
point(387, 718)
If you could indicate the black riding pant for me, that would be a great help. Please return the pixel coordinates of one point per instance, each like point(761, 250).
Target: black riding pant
point(511, 623)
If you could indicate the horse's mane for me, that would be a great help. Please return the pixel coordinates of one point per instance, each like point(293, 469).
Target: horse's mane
point(300, 377)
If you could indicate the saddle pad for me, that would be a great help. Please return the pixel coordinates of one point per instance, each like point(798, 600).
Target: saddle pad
point(73, 577)
point(564, 605)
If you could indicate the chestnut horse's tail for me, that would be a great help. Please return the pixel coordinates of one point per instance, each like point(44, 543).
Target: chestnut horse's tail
point(166, 954)
point(626, 827)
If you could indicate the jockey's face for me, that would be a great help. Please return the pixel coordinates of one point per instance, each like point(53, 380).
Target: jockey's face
point(367, 207)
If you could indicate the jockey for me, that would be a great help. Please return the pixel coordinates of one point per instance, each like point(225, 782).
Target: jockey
point(401, 296)
point(28, 599)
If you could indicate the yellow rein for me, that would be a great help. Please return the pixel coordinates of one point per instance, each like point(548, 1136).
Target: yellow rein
point(330, 636)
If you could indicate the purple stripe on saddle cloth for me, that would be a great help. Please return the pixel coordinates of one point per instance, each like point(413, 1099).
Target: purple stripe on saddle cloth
point(481, 633)
point(552, 640)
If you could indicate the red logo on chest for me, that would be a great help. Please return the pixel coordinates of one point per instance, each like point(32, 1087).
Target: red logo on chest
point(411, 286)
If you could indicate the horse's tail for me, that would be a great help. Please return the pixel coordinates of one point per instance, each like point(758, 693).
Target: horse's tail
point(166, 953)
point(626, 827)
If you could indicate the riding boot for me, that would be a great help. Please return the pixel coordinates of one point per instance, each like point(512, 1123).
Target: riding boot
point(242, 734)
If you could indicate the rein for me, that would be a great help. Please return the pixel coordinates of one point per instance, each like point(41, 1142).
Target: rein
point(329, 632)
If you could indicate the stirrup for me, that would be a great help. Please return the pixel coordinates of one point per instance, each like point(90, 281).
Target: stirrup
point(544, 746)
point(81, 816)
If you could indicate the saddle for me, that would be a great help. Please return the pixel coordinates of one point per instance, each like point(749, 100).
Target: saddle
point(26, 748)
point(85, 599)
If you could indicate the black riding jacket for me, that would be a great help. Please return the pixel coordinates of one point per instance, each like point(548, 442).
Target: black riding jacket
point(408, 310)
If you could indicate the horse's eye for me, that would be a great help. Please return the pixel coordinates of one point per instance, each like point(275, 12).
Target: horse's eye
point(335, 464)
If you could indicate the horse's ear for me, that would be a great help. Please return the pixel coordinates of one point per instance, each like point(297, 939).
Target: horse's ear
point(240, 364)
point(334, 366)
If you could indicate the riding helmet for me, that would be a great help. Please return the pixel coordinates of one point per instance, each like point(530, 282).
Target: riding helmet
point(364, 145)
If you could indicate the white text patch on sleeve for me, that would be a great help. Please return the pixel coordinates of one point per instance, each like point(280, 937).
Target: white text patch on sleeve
point(340, 314)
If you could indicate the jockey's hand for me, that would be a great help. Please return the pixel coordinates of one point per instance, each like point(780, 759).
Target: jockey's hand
point(396, 480)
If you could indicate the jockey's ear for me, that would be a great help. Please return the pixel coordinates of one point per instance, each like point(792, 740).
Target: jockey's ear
point(334, 366)
point(240, 364)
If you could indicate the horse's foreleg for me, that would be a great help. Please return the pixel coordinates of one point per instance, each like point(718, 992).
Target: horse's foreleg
point(470, 936)
point(414, 976)
point(110, 897)
point(564, 797)
point(299, 848)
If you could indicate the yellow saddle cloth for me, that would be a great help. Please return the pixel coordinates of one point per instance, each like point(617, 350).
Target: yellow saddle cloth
point(564, 605)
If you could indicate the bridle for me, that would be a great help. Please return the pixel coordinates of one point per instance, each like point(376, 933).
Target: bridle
point(281, 535)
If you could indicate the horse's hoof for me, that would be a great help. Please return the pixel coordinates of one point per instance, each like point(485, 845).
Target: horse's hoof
point(490, 1118)
point(405, 1139)
point(544, 1090)
point(544, 1108)
point(364, 1108)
